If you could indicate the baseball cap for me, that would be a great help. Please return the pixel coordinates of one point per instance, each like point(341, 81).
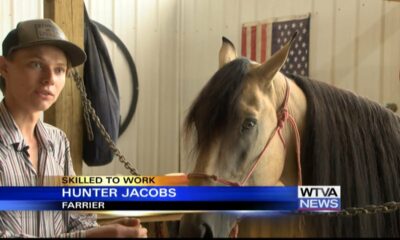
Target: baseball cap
point(42, 32)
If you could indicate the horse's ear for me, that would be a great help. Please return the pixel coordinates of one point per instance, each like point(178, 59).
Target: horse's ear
point(227, 52)
point(268, 69)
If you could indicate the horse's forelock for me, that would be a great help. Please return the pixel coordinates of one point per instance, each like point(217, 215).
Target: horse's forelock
point(217, 103)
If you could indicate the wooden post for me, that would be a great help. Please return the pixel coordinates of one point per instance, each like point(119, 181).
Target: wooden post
point(66, 113)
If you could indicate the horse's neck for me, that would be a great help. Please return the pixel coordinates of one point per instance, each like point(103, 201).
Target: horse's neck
point(297, 106)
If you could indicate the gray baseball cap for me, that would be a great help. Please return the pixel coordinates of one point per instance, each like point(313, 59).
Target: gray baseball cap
point(42, 32)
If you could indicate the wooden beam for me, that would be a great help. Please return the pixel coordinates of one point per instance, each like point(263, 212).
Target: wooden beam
point(66, 113)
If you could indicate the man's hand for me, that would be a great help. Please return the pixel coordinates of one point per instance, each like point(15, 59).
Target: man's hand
point(124, 227)
point(235, 231)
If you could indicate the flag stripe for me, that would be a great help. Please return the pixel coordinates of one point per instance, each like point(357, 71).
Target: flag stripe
point(269, 41)
point(244, 41)
point(248, 34)
point(263, 42)
point(253, 43)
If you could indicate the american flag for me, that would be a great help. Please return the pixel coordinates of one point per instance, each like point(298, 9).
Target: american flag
point(262, 39)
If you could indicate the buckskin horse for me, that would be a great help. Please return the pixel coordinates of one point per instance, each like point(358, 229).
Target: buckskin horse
point(255, 126)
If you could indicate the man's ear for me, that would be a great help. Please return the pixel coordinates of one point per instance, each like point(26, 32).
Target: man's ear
point(227, 53)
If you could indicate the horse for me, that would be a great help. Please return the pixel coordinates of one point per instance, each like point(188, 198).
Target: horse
point(255, 126)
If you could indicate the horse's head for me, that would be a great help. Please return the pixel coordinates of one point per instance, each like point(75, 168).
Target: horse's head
point(235, 118)
point(235, 115)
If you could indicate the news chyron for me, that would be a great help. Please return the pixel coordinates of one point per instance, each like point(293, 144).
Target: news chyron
point(319, 198)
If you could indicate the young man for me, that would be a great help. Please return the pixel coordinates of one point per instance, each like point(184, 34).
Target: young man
point(36, 58)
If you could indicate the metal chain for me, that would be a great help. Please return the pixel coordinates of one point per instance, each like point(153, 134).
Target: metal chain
point(387, 207)
point(87, 106)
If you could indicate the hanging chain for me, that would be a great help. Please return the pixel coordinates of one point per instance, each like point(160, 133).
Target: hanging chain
point(387, 207)
point(88, 109)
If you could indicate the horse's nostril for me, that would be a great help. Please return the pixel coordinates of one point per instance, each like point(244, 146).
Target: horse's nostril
point(208, 232)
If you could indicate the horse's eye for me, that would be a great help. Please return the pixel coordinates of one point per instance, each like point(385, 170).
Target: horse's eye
point(248, 124)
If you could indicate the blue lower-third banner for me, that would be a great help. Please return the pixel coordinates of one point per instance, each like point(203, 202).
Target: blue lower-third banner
point(159, 198)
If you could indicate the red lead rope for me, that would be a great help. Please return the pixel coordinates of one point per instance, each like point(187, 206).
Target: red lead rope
point(283, 116)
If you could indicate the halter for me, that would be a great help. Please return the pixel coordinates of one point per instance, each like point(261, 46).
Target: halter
point(283, 116)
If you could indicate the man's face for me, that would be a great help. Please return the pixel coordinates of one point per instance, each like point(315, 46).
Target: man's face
point(35, 77)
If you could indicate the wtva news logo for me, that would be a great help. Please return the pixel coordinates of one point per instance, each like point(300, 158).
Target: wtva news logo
point(319, 198)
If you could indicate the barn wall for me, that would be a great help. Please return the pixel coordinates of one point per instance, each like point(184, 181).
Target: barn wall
point(354, 45)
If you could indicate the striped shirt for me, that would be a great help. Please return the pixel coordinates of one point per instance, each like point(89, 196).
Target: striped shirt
point(17, 170)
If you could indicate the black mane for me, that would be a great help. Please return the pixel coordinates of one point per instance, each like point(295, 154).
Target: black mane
point(355, 143)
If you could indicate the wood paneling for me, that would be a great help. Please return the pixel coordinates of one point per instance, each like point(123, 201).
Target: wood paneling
point(66, 113)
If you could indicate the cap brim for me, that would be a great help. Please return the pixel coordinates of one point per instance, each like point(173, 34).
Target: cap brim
point(74, 53)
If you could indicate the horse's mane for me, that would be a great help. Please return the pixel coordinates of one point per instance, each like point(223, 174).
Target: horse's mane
point(355, 143)
point(216, 104)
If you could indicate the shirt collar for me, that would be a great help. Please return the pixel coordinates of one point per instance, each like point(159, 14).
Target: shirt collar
point(43, 135)
point(11, 135)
